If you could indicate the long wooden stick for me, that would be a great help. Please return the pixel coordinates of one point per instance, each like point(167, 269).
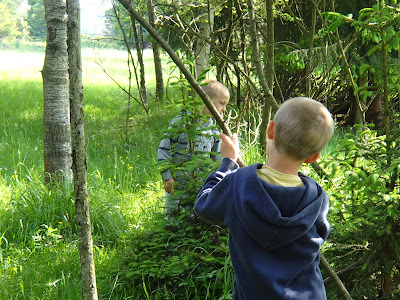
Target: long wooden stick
point(339, 284)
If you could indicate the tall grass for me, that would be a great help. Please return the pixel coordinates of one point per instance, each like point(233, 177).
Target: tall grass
point(38, 252)
point(38, 238)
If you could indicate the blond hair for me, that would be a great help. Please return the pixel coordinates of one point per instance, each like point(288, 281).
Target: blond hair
point(303, 127)
point(214, 88)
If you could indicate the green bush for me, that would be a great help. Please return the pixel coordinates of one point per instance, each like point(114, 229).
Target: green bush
point(189, 262)
point(364, 244)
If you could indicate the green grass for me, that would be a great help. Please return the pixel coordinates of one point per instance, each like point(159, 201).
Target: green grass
point(39, 258)
point(38, 236)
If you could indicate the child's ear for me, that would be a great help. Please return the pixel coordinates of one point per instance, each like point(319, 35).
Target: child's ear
point(313, 158)
point(271, 130)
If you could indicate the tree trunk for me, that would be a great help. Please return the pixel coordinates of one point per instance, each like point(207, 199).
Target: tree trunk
point(139, 52)
point(257, 56)
point(156, 54)
point(243, 49)
point(56, 114)
point(269, 98)
point(269, 74)
point(310, 52)
point(82, 216)
point(202, 50)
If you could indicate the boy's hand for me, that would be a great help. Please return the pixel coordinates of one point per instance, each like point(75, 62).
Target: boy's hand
point(169, 185)
point(229, 146)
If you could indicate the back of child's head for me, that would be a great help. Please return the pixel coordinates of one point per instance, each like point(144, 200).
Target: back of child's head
point(214, 88)
point(303, 127)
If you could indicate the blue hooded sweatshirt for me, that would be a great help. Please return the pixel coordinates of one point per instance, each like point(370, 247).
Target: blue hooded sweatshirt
point(275, 232)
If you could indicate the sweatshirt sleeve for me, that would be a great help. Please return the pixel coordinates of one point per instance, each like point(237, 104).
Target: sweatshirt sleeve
point(213, 200)
point(322, 223)
point(216, 148)
point(163, 154)
point(164, 151)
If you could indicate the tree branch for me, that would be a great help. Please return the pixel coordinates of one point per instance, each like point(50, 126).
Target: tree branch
point(342, 289)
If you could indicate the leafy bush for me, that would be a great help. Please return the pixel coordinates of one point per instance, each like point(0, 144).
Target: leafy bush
point(365, 240)
point(190, 262)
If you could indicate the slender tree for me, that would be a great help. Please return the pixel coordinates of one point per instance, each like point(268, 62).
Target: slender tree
point(56, 112)
point(156, 54)
point(202, 48)
point(269, 74)
point(269, 100)
point(139, 52)
point(310, 51)
point(82, 215)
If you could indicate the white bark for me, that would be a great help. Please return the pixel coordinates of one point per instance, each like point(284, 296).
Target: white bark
point(202, 51)
point(56, 114)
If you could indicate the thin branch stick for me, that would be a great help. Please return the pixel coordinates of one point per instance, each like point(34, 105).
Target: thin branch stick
point(339, 284)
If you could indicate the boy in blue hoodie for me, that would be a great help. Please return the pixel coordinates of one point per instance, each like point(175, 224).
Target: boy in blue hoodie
point(275, 214)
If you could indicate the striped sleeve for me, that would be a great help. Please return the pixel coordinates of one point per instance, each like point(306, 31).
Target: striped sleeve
point(163, 154)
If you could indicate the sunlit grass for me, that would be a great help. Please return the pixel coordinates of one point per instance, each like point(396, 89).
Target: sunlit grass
point(16, 65)
point(39, 243)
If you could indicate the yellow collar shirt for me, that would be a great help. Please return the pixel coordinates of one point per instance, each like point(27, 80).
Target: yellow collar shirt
point(275, 177)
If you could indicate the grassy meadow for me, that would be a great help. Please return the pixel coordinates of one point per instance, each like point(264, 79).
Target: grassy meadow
point(38, 253)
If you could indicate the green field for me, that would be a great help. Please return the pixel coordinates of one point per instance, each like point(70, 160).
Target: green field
point(135, 257)
point(39, 259)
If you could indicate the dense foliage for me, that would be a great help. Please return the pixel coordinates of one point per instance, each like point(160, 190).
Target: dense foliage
point(12, 23)
point(364, 243)
point(36, 20)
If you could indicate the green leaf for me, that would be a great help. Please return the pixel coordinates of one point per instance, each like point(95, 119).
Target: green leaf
point(364, 68)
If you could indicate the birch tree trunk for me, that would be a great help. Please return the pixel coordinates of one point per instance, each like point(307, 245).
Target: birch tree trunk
point(156, 54)
point(56, 114)
point(82, 216)
point(202, 50)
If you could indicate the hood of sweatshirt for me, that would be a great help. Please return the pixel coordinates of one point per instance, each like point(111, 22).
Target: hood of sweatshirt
point(274, 215)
